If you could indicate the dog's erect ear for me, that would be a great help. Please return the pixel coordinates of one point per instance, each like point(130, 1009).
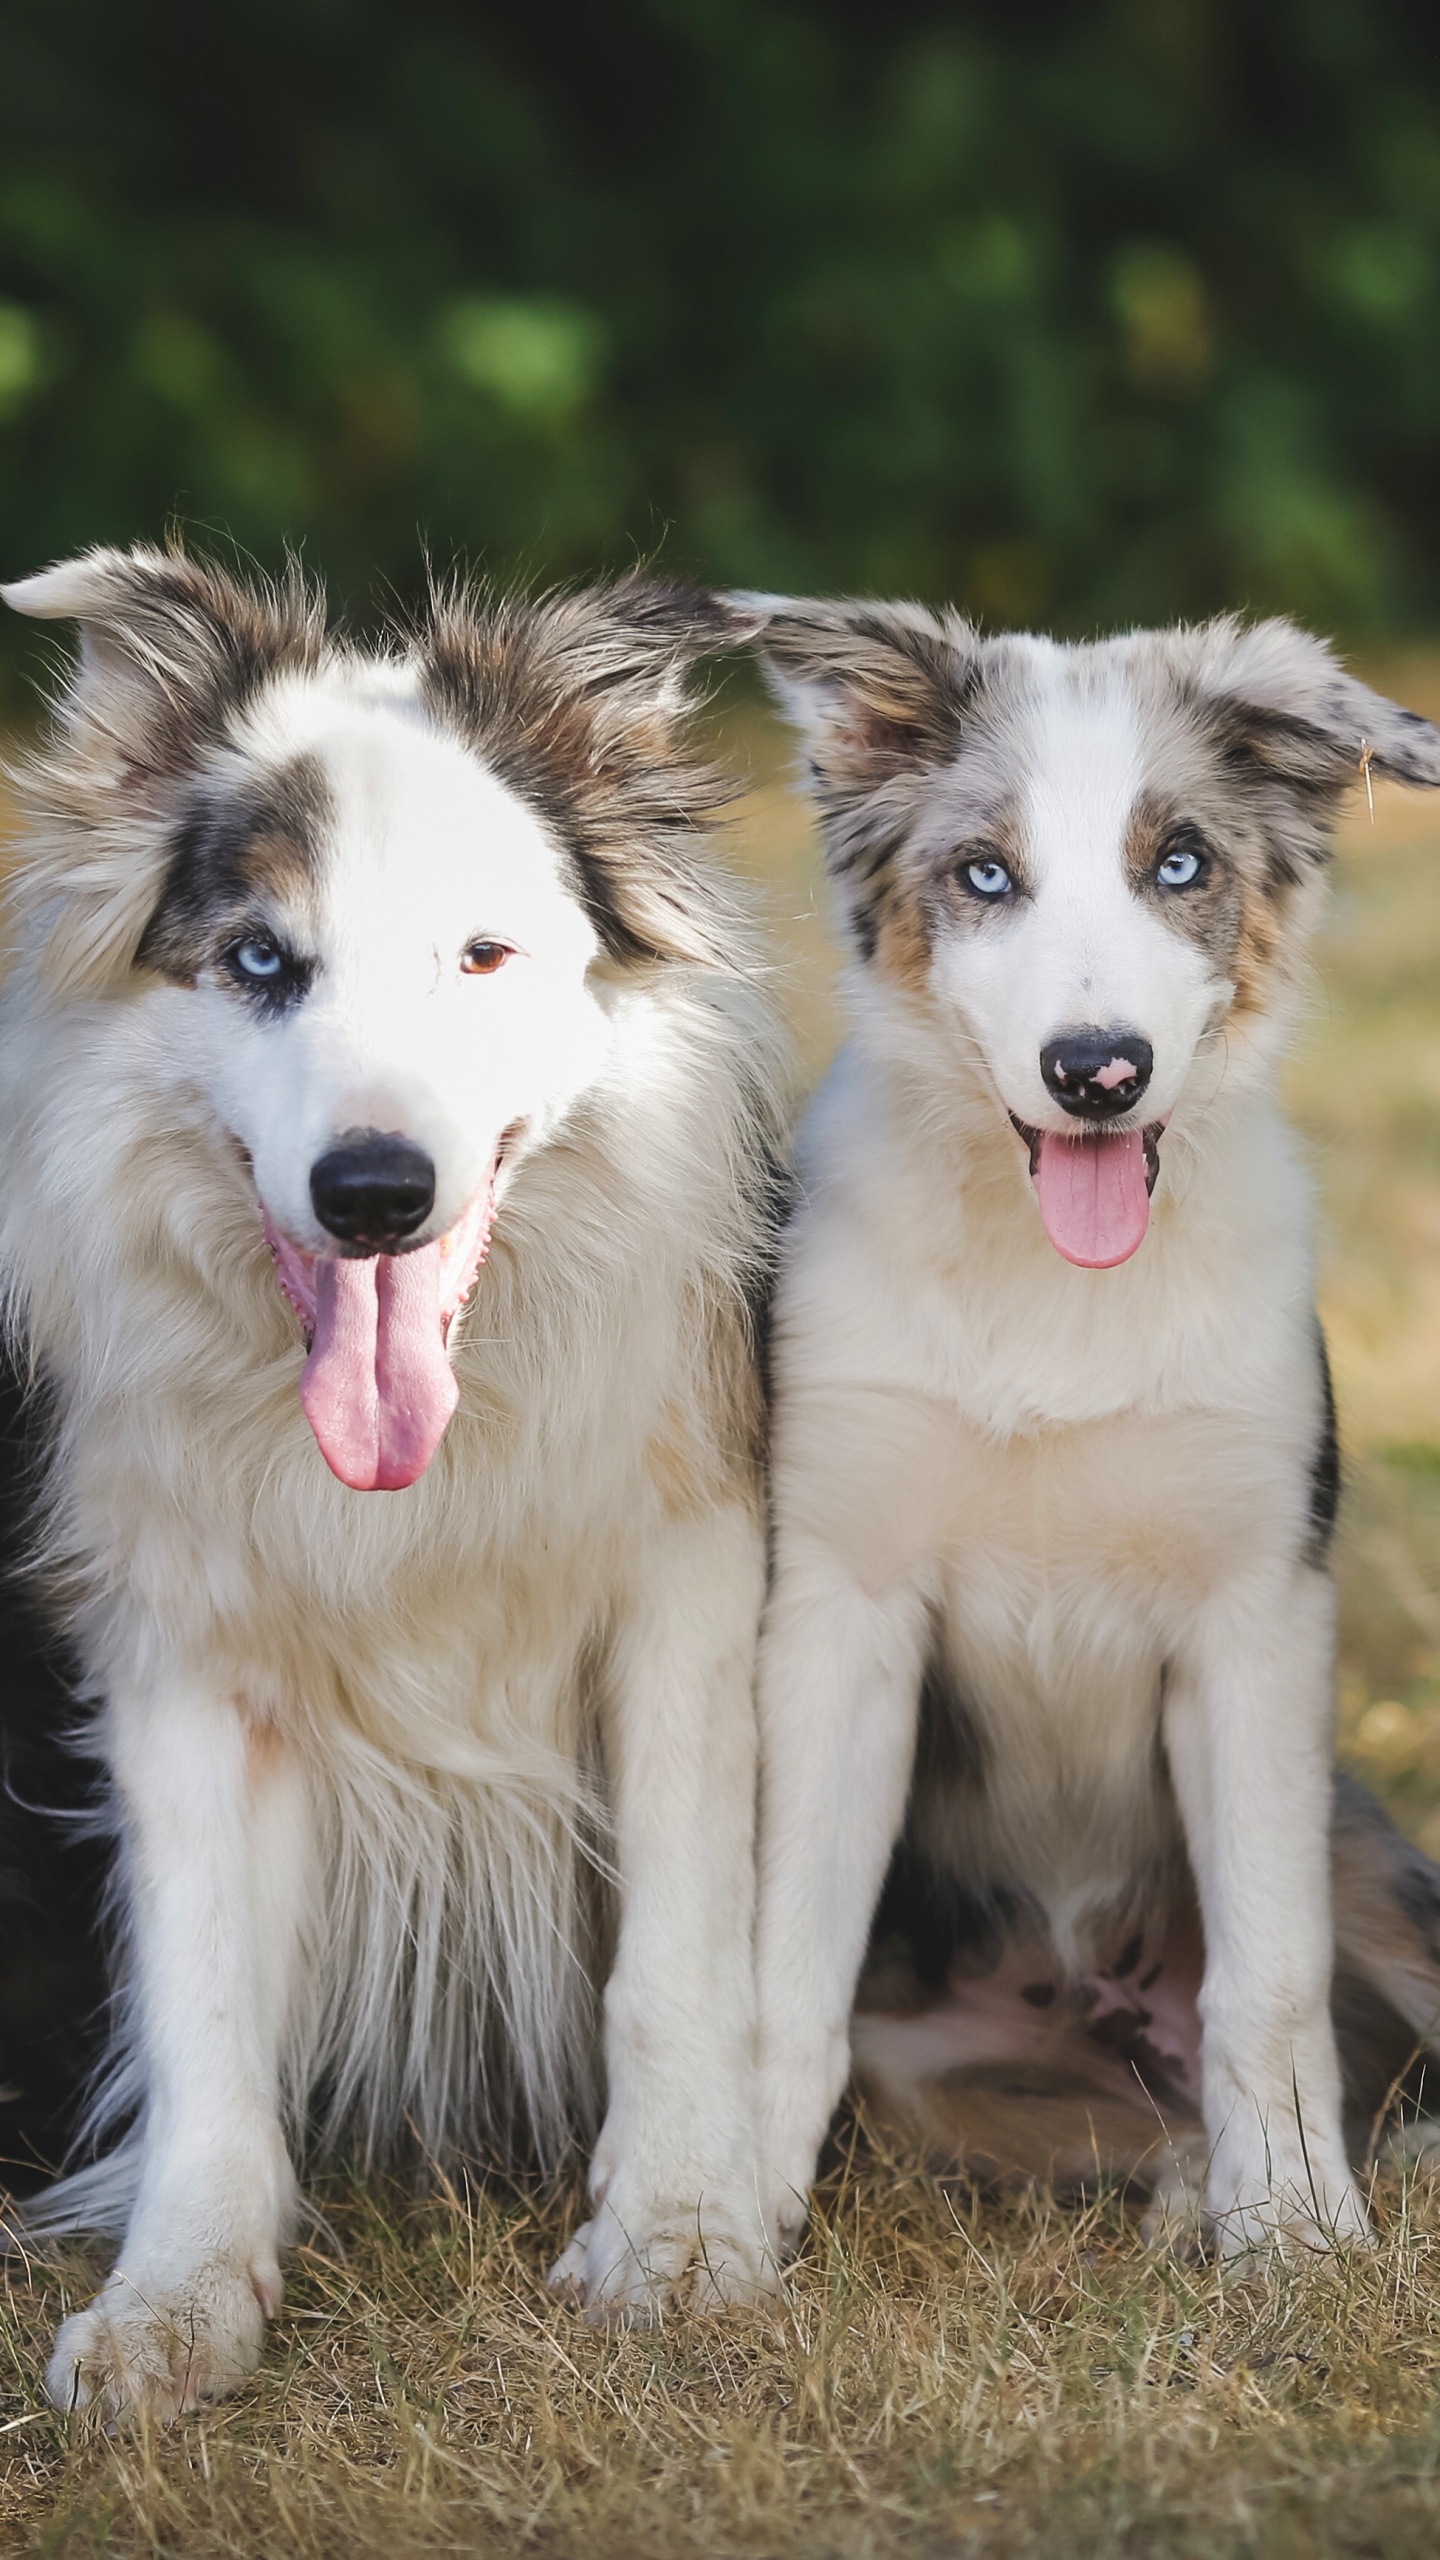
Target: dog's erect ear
point(874, 689)
point(169, 648)
point(581, 702)
point(1282, 696)
point(671, 618)
point(589, 671)
point(632, 648)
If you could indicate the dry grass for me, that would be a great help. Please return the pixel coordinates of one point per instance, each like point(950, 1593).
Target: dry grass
point(944, 2376)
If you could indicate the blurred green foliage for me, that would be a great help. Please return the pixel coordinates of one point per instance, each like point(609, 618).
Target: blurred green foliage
point(1076, 313)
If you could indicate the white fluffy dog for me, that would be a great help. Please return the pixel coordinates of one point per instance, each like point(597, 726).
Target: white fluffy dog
point(386, 1146)
point(1053, 1446)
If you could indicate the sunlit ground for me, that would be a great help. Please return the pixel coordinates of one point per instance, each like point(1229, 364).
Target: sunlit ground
point(946, 2375)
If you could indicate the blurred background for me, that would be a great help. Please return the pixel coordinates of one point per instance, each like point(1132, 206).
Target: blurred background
point(1085, 312)
point(1077, 313)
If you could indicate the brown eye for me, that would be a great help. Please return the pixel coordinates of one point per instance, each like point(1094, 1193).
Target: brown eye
point(482, 959)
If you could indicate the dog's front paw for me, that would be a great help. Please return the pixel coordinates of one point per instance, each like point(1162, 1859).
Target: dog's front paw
point(628, 2269)
point(145, 2350)
point(786, 2214)
point(794, 2110)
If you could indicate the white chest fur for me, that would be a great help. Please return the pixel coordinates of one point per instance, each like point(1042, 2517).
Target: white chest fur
point(1070, 1466)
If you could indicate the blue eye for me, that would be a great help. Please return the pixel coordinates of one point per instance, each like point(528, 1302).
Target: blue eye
point(1180, 868)
point(258, 959)
point(988, 879)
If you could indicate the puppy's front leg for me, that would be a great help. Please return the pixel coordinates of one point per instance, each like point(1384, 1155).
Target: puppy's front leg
point(839, 1689)
point(217, 1858)
point(1248, 1730)
point(672, 2185)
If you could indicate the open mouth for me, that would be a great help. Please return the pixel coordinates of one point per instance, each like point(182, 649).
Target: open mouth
point(378, 1389)
point(1094, 1189)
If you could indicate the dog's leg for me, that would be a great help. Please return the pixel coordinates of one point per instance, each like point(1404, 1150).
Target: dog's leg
point(674, 2214)
point(217, 1856)
point(1247, 1725)
point(839, 1689)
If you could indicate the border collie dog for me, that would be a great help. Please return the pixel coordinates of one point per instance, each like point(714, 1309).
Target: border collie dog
point(388, 1124)
point(1053, 1449)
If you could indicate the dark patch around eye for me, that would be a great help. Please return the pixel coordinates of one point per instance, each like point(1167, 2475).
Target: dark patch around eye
point(278, 992)
point(954, 901)
point(984, 860)
point(1186, 838)
point(1209, 910)
point(258, 844)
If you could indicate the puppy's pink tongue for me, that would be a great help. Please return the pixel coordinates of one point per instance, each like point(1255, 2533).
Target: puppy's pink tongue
point(377, 1388)
point(1093, 1197)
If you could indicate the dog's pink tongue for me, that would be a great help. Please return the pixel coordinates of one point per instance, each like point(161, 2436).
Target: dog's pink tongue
point(377, 1388)
point(1093, 1197)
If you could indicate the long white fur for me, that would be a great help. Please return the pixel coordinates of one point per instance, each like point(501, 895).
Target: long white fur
point(1088, 1487)
point(374, 1755)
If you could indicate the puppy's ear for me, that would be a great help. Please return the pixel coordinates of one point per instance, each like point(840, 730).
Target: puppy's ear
point(874, 689)
point(169, 648)
point(1282, 697)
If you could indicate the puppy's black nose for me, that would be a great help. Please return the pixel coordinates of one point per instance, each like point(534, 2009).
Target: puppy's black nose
point(373, 1189)
point(1095, 1075)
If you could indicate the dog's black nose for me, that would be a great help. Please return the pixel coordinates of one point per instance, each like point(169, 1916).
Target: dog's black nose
point(1095, 1075)
point(373, 1189)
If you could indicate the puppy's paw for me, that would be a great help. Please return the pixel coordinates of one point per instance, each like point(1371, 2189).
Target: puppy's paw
point(628, 2270)
point(149, 2351)
point(787, 2216)
point(792, 2113)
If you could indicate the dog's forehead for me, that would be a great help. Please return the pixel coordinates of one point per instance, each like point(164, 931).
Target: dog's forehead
point(401, 791)
point(1065, 739)
point(1084, 764)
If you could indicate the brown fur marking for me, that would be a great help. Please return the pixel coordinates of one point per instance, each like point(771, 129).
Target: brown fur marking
point(265, 1744)
point(250, 857)
point(671, 1461)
